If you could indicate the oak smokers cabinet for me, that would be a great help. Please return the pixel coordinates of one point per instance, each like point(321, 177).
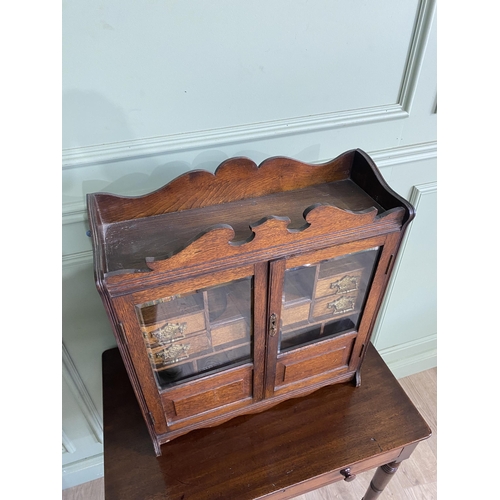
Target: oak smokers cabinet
point(231, 292)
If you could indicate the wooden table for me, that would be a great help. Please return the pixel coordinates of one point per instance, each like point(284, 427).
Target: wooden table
point(297, 446)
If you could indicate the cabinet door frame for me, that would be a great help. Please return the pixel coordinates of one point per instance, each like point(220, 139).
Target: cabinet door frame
point(388, 245)
point(133, 341)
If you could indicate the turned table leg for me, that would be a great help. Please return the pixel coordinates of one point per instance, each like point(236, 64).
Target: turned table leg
point(380, 480)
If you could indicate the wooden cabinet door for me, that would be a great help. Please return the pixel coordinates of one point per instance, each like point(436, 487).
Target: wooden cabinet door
point(195, 342)
point(321, 310)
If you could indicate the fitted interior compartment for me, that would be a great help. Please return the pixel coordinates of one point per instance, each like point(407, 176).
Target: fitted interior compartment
point(163, 235)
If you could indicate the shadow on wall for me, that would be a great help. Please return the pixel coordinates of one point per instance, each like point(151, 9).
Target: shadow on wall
point(90, 119)
point(140, 176)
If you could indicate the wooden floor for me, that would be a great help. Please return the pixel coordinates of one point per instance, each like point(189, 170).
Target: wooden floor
point(415, 479)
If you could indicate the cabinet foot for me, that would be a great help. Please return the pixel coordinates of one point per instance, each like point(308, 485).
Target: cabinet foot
point(157, 447)
point(380, 480)
point(357, 378)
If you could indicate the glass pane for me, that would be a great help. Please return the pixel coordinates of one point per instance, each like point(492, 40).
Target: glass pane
point(198, 333)
point(325, 299)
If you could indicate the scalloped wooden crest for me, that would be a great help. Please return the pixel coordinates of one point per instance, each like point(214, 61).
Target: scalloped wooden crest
point(234, 179)
point(216, 242)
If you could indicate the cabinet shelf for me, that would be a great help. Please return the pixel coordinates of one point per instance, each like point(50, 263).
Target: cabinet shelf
point(163, 235)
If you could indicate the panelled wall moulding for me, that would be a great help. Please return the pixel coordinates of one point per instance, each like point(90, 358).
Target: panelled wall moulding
point(67, 444)
point(146, 147)
point(415, 199)
point(379, 118)
point(76, 212)
point(75, 383)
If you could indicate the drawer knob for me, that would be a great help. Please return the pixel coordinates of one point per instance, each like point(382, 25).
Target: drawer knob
point(347, 474)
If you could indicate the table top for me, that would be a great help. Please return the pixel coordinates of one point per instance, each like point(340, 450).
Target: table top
point(298, 445)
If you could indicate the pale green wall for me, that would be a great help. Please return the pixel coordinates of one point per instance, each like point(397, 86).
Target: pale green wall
point(152, 89)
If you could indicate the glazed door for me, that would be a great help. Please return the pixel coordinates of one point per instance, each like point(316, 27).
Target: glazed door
point(193, 334)
point(316, 314)
point(196, 341)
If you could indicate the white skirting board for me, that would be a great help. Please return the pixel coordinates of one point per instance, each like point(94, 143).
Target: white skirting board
point(83, 471)
point(411, 357)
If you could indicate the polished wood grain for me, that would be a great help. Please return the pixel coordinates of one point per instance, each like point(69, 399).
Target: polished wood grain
point(415, 480)
point(297, 446)
point(203, 230)
point(180, 228)
point(320, 220)
point(234, 179)
point(240, 204)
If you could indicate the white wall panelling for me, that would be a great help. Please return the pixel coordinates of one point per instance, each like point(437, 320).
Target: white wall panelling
point(409, 310)
point(81, 452)
point(83, 470)
point(154, 89)
point(67, 445)
point(403, 78)
point(260, 67)
point(411, 357)
point(81, 395)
